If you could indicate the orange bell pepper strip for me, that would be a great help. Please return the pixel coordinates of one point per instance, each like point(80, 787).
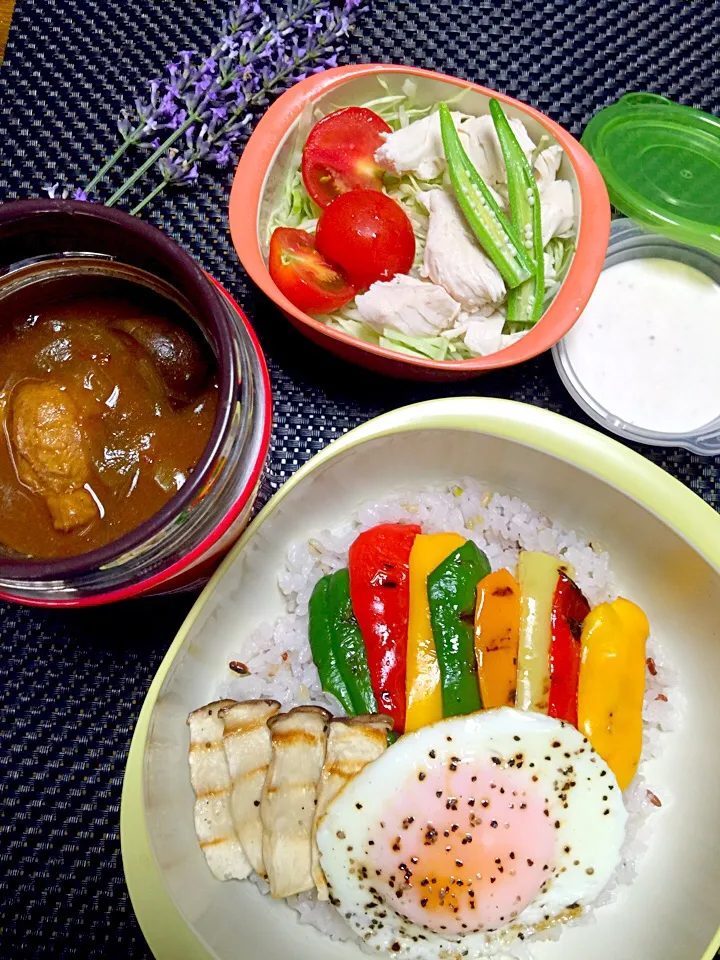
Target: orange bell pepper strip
point(497, 632)
point(612, 684)
point(424, 697)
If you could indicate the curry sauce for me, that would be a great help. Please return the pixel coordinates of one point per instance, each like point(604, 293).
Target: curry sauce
point(107, 404)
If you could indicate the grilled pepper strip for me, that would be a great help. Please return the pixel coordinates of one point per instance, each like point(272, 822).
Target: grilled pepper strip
point(496, 235)
point(569, 610)
point(452, 589)
point(525, 302)
point(424, 699)
point(380, 592)
point(497, 630)
point(612, 684)
point(321, 645)
point(538, 575)
point(348, 645)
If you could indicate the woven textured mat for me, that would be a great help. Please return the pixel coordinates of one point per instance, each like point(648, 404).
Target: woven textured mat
point(73, 682)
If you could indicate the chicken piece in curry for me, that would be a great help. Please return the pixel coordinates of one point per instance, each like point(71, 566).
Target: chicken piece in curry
point(107, 404)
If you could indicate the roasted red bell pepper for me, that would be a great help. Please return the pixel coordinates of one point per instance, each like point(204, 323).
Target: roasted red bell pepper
point(380, 593)
point(569, 609)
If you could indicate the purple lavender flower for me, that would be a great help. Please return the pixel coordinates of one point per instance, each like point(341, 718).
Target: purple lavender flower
point(203, 106)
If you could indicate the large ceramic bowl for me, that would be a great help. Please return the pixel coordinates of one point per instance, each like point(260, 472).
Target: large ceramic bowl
point(260, 179)
point(665, 548)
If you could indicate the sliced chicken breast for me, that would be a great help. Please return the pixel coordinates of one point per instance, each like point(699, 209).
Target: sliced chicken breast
point(287, 806)
point(353, 743)
point(210, 779)
point(409, 306)
point(248, 750)
point(453, 257)
point(557, 210)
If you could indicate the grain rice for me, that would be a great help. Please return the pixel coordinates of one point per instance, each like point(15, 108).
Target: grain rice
point(280, 663)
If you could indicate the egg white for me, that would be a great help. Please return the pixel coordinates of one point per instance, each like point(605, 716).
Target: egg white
point(578, 789)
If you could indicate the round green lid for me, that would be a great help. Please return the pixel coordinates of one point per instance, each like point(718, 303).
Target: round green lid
point(661, 164)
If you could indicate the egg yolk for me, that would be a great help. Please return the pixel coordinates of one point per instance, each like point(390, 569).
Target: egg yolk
point(464, 848)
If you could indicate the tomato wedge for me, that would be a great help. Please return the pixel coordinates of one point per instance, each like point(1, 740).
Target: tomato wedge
point(339, 154)
point(304, 275)
point(368, 235)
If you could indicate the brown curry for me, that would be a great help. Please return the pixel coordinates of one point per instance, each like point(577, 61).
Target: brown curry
point(107, 404)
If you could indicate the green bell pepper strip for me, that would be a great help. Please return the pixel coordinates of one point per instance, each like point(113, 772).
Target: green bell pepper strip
point(348, 645)
point(322, 647)
point(525, 302)
point(498, 238)
point(452, 589)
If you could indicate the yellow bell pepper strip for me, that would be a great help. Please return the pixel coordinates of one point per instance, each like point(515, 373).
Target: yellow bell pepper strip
point(452, 591)
point(612, 684)
point(497, 631)
point(424, 699)
point(538, 575)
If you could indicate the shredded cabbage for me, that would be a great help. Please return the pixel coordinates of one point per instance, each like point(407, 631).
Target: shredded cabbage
point(297, 209)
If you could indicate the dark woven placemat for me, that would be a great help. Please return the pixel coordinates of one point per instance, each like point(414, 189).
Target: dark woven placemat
point(73, 683)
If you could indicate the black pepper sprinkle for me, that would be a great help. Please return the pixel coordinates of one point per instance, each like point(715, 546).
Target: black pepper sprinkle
point(605, 812)
point(424, 902)
point(238, 667)
point(492, 879)
point(358, 806)
point(473, 779)
point(421, 776)
point(556, 743)
point(530, 862)
point(438, 793)
point(484, 803)
point(590, 871)
point(496, 760)
point(256, 802)
point(493, 823)
point(432, 754)
point(512, 855)
point(471, 802)
point(498, 860)
point(557, 824)
point(523, 806)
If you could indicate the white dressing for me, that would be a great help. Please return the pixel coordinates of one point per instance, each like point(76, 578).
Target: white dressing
point(647, 346)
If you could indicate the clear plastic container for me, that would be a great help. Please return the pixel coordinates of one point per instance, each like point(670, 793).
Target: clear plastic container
point(628, 241)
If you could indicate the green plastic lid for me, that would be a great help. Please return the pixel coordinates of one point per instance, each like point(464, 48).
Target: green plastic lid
point(661, 164)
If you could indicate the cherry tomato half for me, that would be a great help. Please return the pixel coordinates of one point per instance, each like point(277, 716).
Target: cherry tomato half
point(368, 234)
point(305, 277)
point(339, 154)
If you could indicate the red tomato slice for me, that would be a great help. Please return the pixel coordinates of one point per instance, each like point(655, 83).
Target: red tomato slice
point(305, 277)
point(368, 234)
point(339, 154)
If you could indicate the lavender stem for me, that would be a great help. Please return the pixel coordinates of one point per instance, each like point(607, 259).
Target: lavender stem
point(150, 197)
point(130, 140)
point(151, 160)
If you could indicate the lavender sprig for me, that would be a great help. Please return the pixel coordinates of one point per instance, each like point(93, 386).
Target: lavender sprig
point(203, 106)
point(287, 56)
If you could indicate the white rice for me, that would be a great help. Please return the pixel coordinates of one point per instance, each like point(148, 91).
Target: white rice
point(280, 662)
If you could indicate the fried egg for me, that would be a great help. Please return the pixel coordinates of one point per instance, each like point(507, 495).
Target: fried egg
point(471, 831)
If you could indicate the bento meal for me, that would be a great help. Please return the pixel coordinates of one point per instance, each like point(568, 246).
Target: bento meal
point(107, 400)
point(423, 229)
point(437, 751)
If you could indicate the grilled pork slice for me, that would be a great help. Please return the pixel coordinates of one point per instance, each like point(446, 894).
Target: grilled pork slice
point(287, 807)
point(248, 750)
point(353, 742)
point(210, 779)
